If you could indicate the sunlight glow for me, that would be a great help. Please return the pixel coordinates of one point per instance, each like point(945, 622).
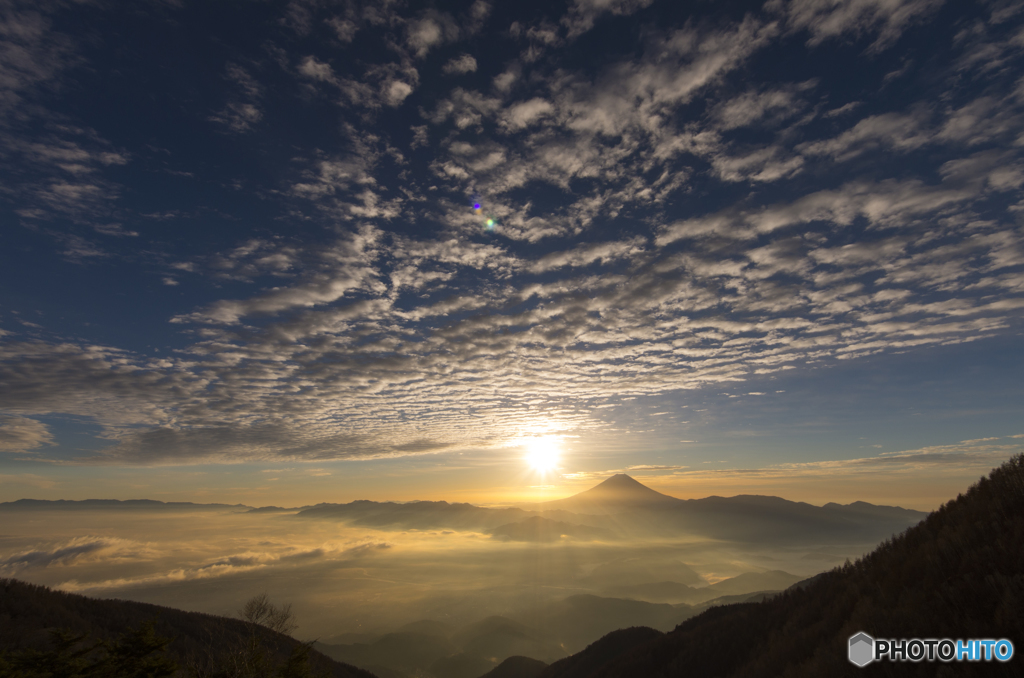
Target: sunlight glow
point(542, 454)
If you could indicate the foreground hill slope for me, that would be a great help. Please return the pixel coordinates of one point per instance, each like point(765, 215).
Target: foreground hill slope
point(958, 574)
point(28, 613)
point(608, 649)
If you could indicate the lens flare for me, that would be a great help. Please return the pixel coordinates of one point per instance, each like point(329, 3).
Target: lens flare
point(489, 222)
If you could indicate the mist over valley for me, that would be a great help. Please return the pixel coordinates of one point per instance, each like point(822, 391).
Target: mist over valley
point(405, 585)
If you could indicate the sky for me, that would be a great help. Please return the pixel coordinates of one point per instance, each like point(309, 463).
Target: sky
point(317, 251)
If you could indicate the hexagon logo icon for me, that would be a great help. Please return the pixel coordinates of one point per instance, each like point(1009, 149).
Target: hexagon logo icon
point(862, 649)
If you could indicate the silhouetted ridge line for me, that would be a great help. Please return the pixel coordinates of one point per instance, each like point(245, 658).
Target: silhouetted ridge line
point(613, 495)
point(517, 667)
point(110, 503)
point(28, 612)
point(639, 512)
point(601, 652)
point(958, 574)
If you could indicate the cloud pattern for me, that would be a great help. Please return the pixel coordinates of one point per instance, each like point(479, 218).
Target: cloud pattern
point(670, 216)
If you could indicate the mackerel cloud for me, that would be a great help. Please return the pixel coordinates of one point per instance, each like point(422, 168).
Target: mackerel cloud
point(657, 224)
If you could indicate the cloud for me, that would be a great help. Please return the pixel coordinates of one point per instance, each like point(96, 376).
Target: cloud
point(21, 434)
point(73, 551)
point(385, 84)
point(763, 164)
point(524, 113)
point(432, 29)
point(671, 72)
point(241, 115)
point(564, 136)
point(772, 105)
point(62, 173)
point(314, 69)
point(885, 204)
point(240, 563)
point(968, 457)
point(464, 63)
point(115, 230)
point(583, 14)
point(977, 122)
point(465, 108)
point(31, 54)
point(659, 222)
point(27, 479)
point(827, 19)
point(585, 255)
point(894, 131)
point(320, 291)
point(238, 117)
point(226, 444)
point(343, 28)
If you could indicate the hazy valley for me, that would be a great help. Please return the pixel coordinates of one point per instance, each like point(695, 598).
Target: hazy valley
point(448, 589)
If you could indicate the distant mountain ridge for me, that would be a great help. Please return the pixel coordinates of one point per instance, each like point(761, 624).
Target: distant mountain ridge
point(639, 512)
point(30, 504)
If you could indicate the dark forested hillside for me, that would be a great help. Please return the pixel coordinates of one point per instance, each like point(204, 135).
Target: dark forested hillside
point(28, 614)
point(958, 574)
point(602, 652)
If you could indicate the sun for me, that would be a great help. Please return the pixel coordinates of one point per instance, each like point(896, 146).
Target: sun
point(542, 454)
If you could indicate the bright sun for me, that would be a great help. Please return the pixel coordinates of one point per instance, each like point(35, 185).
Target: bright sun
point(542, 454)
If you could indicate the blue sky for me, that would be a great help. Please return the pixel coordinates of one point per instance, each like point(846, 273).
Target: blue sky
point(385, 248)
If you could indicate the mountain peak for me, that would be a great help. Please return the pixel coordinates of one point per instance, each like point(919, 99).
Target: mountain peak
point(624, 485)
point(618, 493)
point(622, 480)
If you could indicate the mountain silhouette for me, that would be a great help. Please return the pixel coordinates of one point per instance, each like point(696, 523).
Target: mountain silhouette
point(640, 511)
point(617, 494)
point(626, 508)
point(517, 667)
point(589, 661)
point(28, 612)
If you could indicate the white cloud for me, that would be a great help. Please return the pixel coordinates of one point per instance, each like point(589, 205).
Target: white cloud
point(432, 29)
point(31, 54)
point(396, 91)
point(889, 130)
point(239, 117)
point(889, 203)
point(314, 69)
point(585, 255)
point(21, 434)
point(583, 14)
point(343, 28)
point(752, 107)
point(351, 271)
point(525, 113)
point(466, 108)
point(62, 554)
point(597, 277)
point(826, 19)
point(464, 63)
